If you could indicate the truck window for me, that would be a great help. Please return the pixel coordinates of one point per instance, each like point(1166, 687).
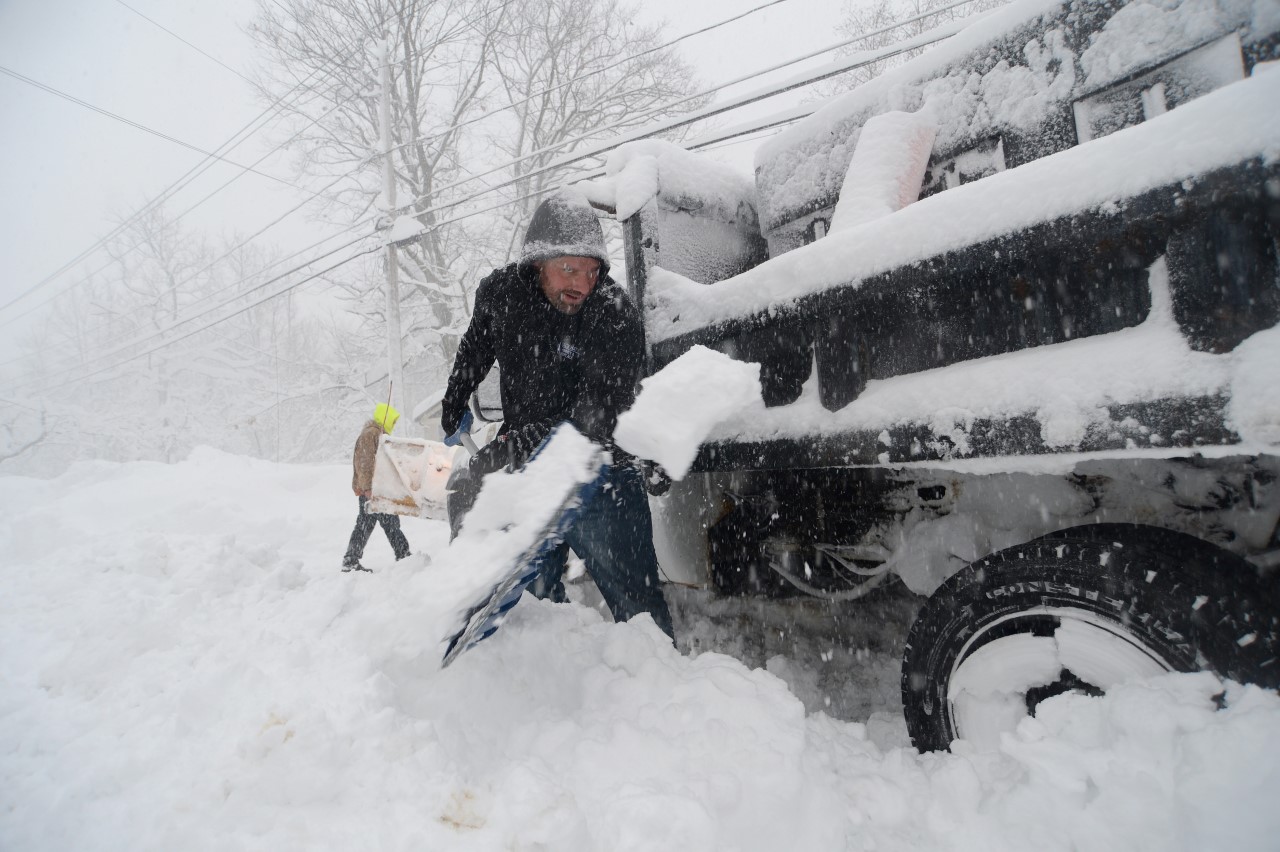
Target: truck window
point(1139, 98)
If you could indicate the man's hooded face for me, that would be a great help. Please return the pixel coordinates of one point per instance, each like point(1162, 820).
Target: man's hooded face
point(568, 281)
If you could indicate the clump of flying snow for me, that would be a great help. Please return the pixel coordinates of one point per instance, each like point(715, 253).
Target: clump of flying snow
point(679, 405)
point(185, 667)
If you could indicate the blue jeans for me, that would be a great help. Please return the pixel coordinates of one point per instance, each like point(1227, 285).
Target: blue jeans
point(614, 536)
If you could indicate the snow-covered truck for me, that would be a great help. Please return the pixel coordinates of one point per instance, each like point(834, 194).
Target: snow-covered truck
point(1015, 304)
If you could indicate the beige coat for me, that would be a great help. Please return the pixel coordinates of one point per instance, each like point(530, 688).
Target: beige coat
point(363, 458)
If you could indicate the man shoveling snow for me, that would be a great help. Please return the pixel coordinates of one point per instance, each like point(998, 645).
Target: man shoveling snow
point(570, 347)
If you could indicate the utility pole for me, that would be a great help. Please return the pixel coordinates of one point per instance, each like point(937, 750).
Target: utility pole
point(395, 354)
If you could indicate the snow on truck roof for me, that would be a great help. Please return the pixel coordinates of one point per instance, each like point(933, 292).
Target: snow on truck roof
point(972, 90)
point(1233, 125)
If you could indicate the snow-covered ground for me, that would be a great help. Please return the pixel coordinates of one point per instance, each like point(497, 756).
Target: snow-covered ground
point(184, 667)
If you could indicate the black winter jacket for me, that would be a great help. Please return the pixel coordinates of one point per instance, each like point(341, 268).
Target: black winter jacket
point(554, 367)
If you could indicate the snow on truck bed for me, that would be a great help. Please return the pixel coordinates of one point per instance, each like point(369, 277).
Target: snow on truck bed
point(806, 162)
point(1233, 125)
point(1065, 386)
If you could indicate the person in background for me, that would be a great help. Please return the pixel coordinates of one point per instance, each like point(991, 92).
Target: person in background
point(384, 420)
point(570, 347)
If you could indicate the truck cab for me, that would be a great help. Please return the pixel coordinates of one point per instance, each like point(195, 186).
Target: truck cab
point(1015, 304)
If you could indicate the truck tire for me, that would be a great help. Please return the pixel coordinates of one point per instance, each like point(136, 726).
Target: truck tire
point(1081, 609)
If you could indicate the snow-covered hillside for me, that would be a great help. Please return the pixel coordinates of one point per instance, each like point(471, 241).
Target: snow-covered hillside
point(184, 667)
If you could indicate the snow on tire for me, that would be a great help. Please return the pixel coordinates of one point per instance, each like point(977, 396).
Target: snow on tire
point(1081, 609)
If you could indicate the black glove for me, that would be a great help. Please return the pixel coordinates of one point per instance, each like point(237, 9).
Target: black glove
point(656, 480)
point(510, 449)
point(494, 455)
point(524, 440)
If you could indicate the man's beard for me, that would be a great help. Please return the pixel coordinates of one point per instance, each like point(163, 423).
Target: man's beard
point(567, 307)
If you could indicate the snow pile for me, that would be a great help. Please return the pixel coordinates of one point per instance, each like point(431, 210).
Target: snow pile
point(1104, 761)
point(638, 171)
point(1229, 126)
point(680, 404)
point(887, 168)
point(1254, 409)
point(186, 668)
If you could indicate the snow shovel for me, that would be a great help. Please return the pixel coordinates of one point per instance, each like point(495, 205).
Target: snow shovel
point(518, 519)
point(411, 475)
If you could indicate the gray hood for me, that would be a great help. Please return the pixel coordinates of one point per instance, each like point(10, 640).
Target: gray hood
point(565, 225)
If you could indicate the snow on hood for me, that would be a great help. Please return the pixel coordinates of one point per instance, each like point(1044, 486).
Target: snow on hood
point(808, 159)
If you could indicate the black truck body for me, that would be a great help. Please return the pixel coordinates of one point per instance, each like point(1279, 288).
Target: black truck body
point(1153, 520)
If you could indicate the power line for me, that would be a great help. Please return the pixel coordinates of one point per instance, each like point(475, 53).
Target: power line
point(924, 39)
point(830, 70)
point(51, 90)
point(204, 53)
point(232, 315)
point(227, 254)
point(182, 182)
point(352, 171)
point(183, 321)
point(186, 180)
point(589, 74)
point(144, 337)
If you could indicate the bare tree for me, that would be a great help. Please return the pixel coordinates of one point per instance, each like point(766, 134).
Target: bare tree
point(21, 429)
point(326, 63)
point(233, 385)
point(558, 62)
point(451, 60)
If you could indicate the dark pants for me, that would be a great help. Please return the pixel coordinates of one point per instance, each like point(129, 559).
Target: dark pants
point(614, 537)
point(365, 523)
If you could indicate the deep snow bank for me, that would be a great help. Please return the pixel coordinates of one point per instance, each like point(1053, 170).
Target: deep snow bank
point(185, 668)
